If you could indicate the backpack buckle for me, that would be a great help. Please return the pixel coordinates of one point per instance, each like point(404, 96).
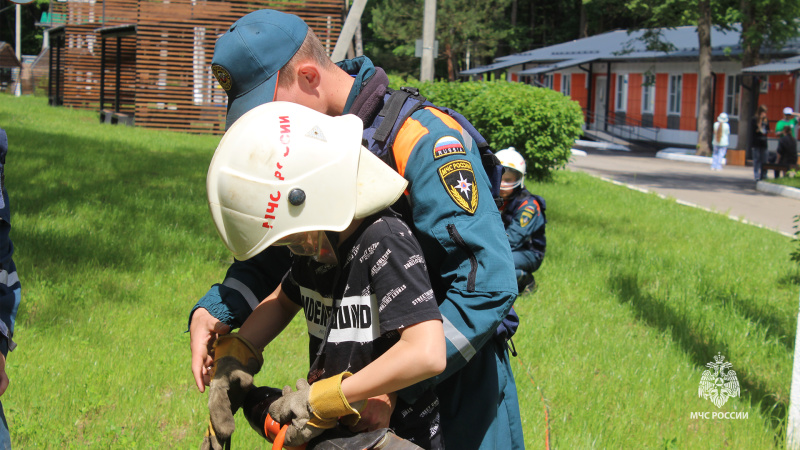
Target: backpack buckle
point(411, 90)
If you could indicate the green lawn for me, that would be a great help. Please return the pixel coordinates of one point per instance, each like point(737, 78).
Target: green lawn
point(792, 180)
point(114, 245)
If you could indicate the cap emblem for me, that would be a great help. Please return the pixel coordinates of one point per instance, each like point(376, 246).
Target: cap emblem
point(223, 76)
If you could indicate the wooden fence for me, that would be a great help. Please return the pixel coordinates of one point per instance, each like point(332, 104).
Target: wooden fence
point(165, 67)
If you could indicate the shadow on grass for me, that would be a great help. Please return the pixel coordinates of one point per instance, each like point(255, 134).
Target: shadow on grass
point(774, 325)
point(138, 192)
point(790, 278)
point(104, 203)
point(700, 348)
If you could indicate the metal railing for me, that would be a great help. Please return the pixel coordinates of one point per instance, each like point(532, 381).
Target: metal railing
point(622, 127)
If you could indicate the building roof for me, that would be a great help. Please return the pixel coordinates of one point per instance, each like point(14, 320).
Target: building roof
point(544, 68)
point(781, 66)
point(621, 45)
point(7, 56)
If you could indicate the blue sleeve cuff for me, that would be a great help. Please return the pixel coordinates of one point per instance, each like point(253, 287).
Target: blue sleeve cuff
point(213, 303)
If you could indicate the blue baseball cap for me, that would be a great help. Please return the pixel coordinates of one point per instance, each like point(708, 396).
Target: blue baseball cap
point(249, 55)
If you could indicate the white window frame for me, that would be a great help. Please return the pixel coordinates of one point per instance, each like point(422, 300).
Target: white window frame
point(648, 93)
point(566, 84)
point(733, 95)
point(621, 102)
point(763, 87)
point(674, 95)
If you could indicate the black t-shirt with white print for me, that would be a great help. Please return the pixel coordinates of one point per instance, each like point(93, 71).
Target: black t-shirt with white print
point(380, 286)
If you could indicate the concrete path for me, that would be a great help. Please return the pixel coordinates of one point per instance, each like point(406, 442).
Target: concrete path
point(731, 191)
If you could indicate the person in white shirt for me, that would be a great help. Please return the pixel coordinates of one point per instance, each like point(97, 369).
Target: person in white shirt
point(720, 142)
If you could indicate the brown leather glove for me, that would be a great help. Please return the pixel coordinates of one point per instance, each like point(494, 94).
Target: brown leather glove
point(235, 362)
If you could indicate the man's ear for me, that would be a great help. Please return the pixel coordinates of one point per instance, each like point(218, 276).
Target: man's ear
point(308, 76)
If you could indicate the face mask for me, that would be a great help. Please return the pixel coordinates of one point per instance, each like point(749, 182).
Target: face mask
point(310, 243)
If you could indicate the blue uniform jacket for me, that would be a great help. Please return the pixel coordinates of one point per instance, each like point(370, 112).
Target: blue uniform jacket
point(459, 228)
point(10, 290)
point(524, 219)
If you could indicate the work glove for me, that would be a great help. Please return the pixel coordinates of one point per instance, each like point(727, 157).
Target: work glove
point(235, 362)
point(210, 441)
point(313, 409)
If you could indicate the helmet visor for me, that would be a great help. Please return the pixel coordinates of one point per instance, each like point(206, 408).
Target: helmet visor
point(310, 243)
point(511, 179)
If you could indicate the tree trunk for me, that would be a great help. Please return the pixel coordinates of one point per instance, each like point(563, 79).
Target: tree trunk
point(451, 73)
point(704, 128)
point(514, 14)
point(583, 31)
point(751, 43)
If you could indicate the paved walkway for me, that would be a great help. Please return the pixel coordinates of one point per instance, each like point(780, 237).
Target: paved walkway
point(731, 191)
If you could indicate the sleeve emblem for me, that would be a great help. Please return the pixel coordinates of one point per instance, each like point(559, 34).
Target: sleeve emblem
point(525, 218)
point(458, 180)
point(446, 146)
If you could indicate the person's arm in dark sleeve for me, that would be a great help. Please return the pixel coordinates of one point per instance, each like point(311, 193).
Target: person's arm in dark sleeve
point(457, 223)
point(246, 284)
point(528, 221)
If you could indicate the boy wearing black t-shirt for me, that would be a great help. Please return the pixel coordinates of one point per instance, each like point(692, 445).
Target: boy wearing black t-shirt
point(374, 325)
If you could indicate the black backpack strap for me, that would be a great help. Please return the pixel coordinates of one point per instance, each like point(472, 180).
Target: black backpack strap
point(406, 101)
point(390, 112)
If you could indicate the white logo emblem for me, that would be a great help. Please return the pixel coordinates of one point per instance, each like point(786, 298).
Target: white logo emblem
point(717, 384)
point(316, 133)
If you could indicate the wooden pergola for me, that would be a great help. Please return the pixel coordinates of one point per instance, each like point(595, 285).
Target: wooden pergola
point(117, 33)
point(149, 61)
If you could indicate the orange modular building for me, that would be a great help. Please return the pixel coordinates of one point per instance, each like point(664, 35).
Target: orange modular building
point(149, 62)
point(628, 91)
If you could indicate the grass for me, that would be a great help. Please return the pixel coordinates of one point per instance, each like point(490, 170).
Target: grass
point(114, 245)
point(791, 180)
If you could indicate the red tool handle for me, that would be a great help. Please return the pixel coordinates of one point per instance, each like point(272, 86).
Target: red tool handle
point(277, 434)
point(277, 444)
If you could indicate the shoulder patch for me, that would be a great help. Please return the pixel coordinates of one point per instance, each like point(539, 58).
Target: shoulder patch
point(534, 208)
point(525, 218)
point(458, 180)
point(447, 145)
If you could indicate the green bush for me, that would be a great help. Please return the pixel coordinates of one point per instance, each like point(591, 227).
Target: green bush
point(540, 123)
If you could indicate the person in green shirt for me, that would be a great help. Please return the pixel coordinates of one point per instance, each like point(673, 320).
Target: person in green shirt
point(789, 119)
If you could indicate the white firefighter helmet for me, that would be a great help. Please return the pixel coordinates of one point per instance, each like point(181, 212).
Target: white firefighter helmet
point(511, 159)
point(283, 169)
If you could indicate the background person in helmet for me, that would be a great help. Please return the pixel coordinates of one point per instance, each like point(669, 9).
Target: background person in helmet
point(272, 56)
point(285, 175)
point(524, 219)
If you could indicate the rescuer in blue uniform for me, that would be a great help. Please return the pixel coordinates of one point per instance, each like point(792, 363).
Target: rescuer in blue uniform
point(524, 218)
point(271, 56)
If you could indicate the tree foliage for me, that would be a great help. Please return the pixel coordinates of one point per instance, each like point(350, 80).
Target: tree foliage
point(30, 34)
point(489, 28)
point(461, 26)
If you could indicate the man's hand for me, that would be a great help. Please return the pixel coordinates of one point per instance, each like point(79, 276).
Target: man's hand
point(3, 375)
point(203, 331)
point(376, 414)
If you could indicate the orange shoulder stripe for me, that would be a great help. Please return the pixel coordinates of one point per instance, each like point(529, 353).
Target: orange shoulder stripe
point(407, 137)
point(449, 121)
